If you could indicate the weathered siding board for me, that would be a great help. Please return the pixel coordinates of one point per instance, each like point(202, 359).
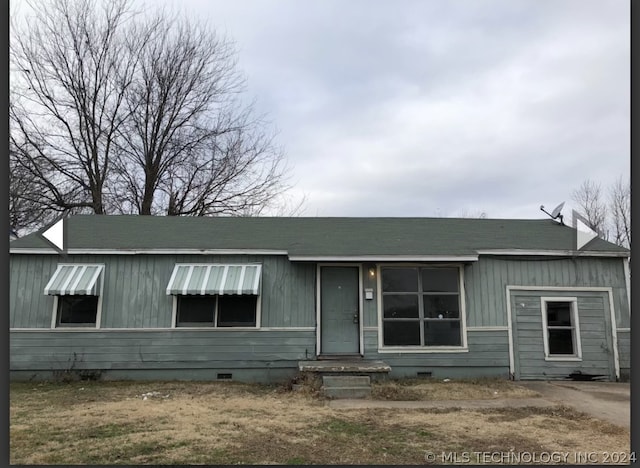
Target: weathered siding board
point(163, 349)
point(486, 349)
point(288, 293)
point(134, 293)
point(486, 282)
point(595, 336)
point(624, 348)
point(29, 307)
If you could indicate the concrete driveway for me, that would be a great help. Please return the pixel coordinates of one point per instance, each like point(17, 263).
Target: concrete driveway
point(609, 401)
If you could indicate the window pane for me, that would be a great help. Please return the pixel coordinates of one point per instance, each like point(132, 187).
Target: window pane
point(442, 332)
point(400, 280)
point(77, 310)
point(400, 333)
point(405, 306)
point(445, 306)
point(561, 341)
point(559, 314)
point(439, 279)
point(196, 311)
point(237, 311)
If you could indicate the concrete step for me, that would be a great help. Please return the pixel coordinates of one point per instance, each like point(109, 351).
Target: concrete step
point(360, 366)
point(346, 386)
point(347, 392)
point(346, 381)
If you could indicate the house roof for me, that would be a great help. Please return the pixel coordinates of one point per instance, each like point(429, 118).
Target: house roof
point(303, 237)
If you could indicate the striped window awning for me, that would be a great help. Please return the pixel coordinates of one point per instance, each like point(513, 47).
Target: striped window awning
point(78, 279)
point(214, 278)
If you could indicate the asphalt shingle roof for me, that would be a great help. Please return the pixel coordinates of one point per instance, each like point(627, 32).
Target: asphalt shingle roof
point(303, 236)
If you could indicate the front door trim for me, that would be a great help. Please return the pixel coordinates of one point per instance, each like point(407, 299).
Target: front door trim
point(319, 304)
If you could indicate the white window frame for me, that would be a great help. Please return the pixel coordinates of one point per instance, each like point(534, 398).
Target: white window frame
point(174, 314)
point(577, 345)
point(463, 348)
point(56, 298)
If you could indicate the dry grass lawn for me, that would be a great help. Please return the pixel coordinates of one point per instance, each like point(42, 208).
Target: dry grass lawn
point(232, 423)
point(431, 389)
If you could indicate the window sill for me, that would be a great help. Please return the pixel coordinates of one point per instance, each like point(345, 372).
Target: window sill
point(214, 328)
point(562, 358)
point(77, 327)
point(423, 350)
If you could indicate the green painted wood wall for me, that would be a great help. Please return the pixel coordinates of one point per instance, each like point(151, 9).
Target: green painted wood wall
point(134, 298)
point(134, 293)
point(595, 336)
point(486, 281)
point(176, 352)
point(487, 349)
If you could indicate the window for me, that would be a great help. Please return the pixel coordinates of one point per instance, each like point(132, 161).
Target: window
point(77, 311)
point(77, 288)
point(421, 307)
point(560, 327)
point(216, 311)
point(216, 295)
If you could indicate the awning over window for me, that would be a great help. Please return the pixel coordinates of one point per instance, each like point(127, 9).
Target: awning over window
point(75, 280)
point(215, 279)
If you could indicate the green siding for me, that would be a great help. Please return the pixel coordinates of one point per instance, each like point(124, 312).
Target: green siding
point(486, 281)
point(167, 349)
point(134, 293)
point(28, 275)
point(624, 350)
point(595, 336)
point(488, 355)
point(134, 297)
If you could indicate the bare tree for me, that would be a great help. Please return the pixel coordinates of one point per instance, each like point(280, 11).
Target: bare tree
point(26, 211)
point(610, 216)
point(592, 206)
point(120, 113)
point(620, 208)
point(68, 105)
point(190, 147)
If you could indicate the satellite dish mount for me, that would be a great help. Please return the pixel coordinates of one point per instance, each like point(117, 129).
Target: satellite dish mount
point(555, 214)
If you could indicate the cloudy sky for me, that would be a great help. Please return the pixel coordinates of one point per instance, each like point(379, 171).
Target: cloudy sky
point(434, 107)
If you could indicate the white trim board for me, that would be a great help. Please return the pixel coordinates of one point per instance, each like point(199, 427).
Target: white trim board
point(425, 350)
point(488, 329)
point(553, 253)
point(608, 290)
point(179, 329)
point(19, 250)
point(383, 258)
point(627, 280)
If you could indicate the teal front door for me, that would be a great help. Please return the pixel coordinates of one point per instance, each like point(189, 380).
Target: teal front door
point(339, 310)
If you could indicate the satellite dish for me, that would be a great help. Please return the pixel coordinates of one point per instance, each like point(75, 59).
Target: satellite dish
point(556, 211)
point(555, 214)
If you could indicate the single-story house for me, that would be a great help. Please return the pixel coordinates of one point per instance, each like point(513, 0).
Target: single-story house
point(145, 297)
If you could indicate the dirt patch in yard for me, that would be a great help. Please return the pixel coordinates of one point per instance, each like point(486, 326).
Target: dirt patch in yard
point(228, 423)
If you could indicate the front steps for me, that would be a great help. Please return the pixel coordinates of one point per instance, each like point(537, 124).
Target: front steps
point(353, 367)
point(345, 378)
point(346, 386)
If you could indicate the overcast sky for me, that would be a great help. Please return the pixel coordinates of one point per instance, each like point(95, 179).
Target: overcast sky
point(437, 108)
